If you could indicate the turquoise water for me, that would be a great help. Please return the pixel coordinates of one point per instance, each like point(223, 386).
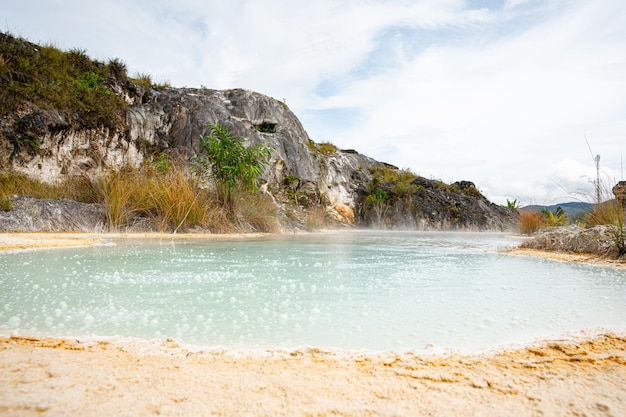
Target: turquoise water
point(352, 290)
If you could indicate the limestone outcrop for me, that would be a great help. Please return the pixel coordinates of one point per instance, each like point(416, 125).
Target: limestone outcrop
point(140, 123)
point(172, 120)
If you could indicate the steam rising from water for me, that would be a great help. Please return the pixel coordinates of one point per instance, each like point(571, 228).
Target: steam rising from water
point(361, 290)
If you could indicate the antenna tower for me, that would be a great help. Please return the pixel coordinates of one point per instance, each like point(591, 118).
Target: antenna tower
point(597, 159)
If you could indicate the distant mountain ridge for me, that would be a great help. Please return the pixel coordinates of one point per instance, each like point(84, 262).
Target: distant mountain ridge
point(572, 209)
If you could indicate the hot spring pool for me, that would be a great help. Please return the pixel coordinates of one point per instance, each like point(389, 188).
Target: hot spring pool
point(349, 290)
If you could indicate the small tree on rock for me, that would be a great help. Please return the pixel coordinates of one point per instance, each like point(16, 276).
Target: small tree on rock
point(233, 165)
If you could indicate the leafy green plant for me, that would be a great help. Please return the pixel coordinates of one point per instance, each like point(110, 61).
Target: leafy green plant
point(230, 163)
point(534, 221)
point(161, 163)
point(28, 142)
point(378, 201)
point(513, 205)
point(558, 218)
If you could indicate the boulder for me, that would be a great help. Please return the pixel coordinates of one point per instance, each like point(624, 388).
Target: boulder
point(597, 240)
point(47, 215)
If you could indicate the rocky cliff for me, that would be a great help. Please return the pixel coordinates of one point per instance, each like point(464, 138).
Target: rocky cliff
point(49, 144)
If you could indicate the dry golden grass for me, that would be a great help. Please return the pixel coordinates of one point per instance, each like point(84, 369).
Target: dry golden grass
point(78, 188)
point(256, 212)
point(316, 219)
point(172, 199)
point(531, 222)
point(116, 191)
point(603, 213)
point(163, 192)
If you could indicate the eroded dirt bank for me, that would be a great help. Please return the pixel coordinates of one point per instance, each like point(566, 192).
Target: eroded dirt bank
point(55, 377)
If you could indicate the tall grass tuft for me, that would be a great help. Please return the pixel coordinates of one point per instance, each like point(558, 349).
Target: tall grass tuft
point(316, 219)
point(256, 212)
point(169, 197)
point(603, 213)
point(117, 191)
point(175, 200)
point(79, 188)
point(611, 214)
point(531, 222)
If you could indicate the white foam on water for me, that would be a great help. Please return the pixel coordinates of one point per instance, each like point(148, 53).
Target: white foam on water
point(372, 291)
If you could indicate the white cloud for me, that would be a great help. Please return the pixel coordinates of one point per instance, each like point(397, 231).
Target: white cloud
point(512, 4)
point(502, 94)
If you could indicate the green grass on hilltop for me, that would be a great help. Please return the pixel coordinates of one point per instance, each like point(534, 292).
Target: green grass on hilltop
point(83, 90)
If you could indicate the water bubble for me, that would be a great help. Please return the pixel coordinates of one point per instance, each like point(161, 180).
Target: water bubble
point(489, 321)
point(89, 320)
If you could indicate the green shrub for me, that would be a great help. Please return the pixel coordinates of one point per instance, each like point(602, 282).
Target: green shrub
point(230, 163)
point(378, 202)
point(512, 205)
point(558, 218)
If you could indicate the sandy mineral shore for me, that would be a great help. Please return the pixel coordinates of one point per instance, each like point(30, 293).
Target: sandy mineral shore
point(54, 377)
point(112, 377)
point(588, 258)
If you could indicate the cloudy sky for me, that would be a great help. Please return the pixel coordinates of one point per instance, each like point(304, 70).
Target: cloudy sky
point(517, 96)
